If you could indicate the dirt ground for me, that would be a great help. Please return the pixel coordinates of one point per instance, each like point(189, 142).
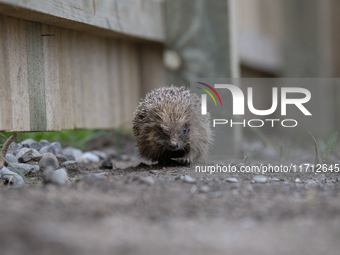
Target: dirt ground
point(150, 209)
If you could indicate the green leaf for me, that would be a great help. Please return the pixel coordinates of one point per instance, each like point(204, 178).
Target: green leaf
point(330, 145)
point(317, 151)
point(250, 155)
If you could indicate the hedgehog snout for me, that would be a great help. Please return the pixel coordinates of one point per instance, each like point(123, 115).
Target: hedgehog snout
point(173, 145)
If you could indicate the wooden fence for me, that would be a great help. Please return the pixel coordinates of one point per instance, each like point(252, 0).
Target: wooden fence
point(69, 64)
point(77, 64)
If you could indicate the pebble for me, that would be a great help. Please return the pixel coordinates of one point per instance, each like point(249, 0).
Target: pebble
point(13, 146)
point(28, 142)
point(44, 142)
point(311, 182)
point(61, 159)
point(14, 178)
point(101, 155)
point(107, 164)
point(275, 179)
point(297, 180)
point(88, 157)
point(204, 189)
point(48, 160)
point(69, 157)
point(11, 158)
point(58, 177)
point(321, 177)
point(153, 172)
point(32, 162)
point(36, 146)
point(188, 179)
point(260, 179)
point(24, 168)
point(47, 149)
point(231, 180)
point(26, 154)
point(148, 180)
point(57, 147)
point(76, 153)
point(70, 165)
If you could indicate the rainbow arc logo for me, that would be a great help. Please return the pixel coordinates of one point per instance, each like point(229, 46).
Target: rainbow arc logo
point(209, 93)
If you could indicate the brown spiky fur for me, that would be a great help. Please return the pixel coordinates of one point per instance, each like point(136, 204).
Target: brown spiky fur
point(171, 115)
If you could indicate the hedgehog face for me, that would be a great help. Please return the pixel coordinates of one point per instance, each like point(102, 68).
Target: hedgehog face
point(174, 137)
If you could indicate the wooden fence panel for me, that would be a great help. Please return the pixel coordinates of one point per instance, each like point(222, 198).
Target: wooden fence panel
point(130, 82)
point(130, 19)
point(91, 76)
point(52, 91)
point(36, 78)
point(152, 71)
point(55, 78)
point(18, 75)
point(114, 82)
point(5, 95)
point(67, 80)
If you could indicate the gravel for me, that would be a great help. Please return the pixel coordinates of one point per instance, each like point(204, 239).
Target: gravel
point(260, 179)
point(48, 160)
point(27, 154)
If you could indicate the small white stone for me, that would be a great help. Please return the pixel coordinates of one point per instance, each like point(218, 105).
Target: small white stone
point(189, 179)
point(56, 177)
point(88, 156)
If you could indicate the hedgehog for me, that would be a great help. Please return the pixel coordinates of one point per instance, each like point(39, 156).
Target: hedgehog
point(169, 127)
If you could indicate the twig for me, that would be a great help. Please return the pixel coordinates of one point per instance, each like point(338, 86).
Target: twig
point(5, 148)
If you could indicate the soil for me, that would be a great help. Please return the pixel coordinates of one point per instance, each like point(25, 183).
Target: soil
point(119, 211)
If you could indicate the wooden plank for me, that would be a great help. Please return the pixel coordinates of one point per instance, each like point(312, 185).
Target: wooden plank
point(36, 79)
point(152, 70)
point(76, 59)
point(135, 82)
point(18, 74)
point(88, 81)
point(52, 93)
point(114, 82)
point(99, 89)
point(5, 95)
point(127, 18)
point(130, 86)
point(66, 81)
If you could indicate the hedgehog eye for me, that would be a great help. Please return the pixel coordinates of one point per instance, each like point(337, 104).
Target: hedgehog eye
point(161, 132)
point(184, 130)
